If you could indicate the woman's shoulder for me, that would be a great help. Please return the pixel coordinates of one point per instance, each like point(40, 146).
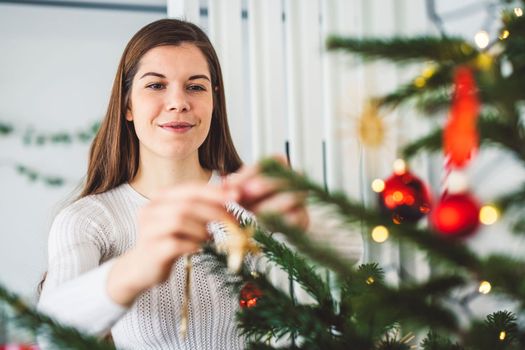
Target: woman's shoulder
point(95, 208)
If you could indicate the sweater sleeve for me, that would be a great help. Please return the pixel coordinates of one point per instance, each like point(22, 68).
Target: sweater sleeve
point(74, 292)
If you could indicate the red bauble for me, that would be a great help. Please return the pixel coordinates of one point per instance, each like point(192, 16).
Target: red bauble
point(405, 198)
point(18, 347)
point(456, 215)
point(249, 295)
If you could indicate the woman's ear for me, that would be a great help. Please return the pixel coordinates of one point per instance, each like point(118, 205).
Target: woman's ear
point(129, 115)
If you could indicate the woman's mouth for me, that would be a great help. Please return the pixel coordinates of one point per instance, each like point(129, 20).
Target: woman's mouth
point(179, 127)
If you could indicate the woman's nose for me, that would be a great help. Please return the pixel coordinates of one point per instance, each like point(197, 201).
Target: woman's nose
point(177, 100)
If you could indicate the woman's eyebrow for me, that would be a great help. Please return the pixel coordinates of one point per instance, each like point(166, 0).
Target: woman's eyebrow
point(199, 76)
point(193, 77)
point(153, 74)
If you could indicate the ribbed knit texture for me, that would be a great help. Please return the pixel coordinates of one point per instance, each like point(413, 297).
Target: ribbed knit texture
point(84, 240)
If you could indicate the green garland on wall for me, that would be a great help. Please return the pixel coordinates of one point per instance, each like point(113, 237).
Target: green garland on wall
point(32, 137)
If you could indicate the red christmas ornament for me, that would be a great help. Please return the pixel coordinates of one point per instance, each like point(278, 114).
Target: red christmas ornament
point(456, 215)
point(405, 197)
point(249, 295)
point(460, 136)
point(18, 347)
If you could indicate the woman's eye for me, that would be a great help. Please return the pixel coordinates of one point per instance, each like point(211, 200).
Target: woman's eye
point(155, 86)
point(196, 88)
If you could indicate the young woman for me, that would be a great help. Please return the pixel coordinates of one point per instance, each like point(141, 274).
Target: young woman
point(157, 185)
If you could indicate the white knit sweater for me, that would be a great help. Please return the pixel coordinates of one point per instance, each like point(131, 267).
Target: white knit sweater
point(84, 241)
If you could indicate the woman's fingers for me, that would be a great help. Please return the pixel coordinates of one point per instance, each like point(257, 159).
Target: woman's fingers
point(259, 193)
point(170, 249)
point(280, 203)
point(290, 205)
point(181, 218)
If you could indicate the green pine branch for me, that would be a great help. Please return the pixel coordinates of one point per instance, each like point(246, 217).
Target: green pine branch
point(514, 199)
point(321, 254)
point(392, 342)
point(436, 341)
point(434, 101)
point(401, 50)
point(358, 283)
point(438, 82)
point(297, 267)
point(368, 307)
point(432, 142)
point(417, 306)
point(493, 130)
point(497, 332)
point(275, 315)
point(515, 43)
point(63, 337)
point(355, 213)
point(505, 275)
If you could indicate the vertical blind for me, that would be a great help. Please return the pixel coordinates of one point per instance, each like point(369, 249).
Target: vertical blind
point(283, 86)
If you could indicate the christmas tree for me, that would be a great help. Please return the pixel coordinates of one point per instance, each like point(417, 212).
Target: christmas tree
point(481, 90)
point(356, 308)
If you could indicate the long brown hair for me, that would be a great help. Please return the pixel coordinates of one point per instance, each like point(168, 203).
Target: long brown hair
point(114, 154)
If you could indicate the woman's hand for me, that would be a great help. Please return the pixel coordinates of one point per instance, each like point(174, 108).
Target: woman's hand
point(262, 194)
point(171, 225)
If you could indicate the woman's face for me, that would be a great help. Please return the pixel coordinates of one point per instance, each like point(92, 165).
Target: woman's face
point(171, 102)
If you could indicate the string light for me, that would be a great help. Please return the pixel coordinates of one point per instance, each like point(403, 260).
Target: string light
point(484, 287)
point(488, 215)
point(428, 72)
point(482, 39)
point(378, 185)
point(420, 82)
point(504, 34)
point(400, 167)
point(484, 61)
point(502, 335)
point(370, 280)
point(518, 11)
point(380, 234)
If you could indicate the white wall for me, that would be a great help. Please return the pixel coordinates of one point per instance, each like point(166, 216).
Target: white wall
point(56, 71)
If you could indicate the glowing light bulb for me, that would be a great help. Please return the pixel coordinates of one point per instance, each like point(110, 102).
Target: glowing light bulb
point(428, 72)
point(420, 82)
point(502, 335)
point(484, 287)
point(400, 167)
point(504, 34)
point(488, 215)
point(380, 234)
point(370, 280)
point(378, 185)
point(482, 39)
point(518, 11)
point(484, 61)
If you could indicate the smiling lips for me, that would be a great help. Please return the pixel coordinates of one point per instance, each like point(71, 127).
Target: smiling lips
point(179, 127)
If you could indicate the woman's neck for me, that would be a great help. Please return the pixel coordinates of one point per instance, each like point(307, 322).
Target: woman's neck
point(159, 174)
